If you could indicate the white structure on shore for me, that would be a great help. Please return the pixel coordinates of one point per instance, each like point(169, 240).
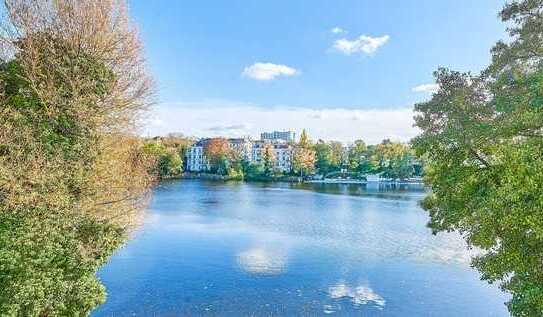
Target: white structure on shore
point(371, 178)
point(246, 149)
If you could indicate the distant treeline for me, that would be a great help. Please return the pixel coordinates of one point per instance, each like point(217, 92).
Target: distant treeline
point(389, 159)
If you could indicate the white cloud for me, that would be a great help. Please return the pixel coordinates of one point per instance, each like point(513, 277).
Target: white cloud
point(221, 118)
point(363, 44)
point(318, 114)
point(338, 30)
point(360, 115)
point(268, 71)
point(229, 128)
point(427, 88)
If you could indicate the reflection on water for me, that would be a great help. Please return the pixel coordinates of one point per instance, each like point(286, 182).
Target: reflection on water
point(360, 295)
point(262, 261)
point(293, 249)
point(381, 190)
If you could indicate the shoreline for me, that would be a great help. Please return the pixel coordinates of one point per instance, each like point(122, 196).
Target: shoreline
point(294, 179)
point(331, 181)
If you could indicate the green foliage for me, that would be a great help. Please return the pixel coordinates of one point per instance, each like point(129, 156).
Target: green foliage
point(44, 271)
point(393, 160)
point(168, 160)
point(70, 173)
point(235, 174)
point(170, 164)
point(220, 155)
point(268, 161)
point(303, 156)
point(323, 158)
point(255, 172)
point(328, 157)
point(482, 142)
point(357, 157)
point(49, 252)
point(304, 140)
point(237, 170)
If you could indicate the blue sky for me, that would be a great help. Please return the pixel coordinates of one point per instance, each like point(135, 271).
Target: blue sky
point(282, 58)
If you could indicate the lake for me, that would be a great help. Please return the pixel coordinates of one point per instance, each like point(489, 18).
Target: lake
point(239, 249)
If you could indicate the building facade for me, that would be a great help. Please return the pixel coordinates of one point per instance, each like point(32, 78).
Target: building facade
point(243, 149)
point(287, 136)
point(195, 158)
point(282, 154)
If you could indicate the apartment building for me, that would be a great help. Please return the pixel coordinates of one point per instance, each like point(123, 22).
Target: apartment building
point(244, 149)
point(195, 158)
point(287, 136)
point(282, 154)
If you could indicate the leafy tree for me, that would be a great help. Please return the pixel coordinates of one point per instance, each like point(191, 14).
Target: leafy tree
point(303, 161)
point(254, 171)
point(73, 177)
point(268, 160)
point(304, 140)
point(393, 160)
point(303, 156)
point(401, 166)
point(482, 142)
point(168, 162)
point(329, 157)
point(178, 142)
point(235, 172)
point(337, 157)
point(357, 156)
point(218, 152)
point(323, 157)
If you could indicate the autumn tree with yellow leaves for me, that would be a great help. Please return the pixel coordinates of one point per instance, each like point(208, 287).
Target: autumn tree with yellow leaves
point(73, 176)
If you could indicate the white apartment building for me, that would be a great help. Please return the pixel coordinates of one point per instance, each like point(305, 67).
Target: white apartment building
point(242, 147)
point(195, 158)
point(282, 154)
point(248, 150)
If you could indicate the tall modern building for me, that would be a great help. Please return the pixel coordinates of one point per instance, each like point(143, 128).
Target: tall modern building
point(288, 136)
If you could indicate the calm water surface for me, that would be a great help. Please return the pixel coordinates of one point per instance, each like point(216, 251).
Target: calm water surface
point(242, 249)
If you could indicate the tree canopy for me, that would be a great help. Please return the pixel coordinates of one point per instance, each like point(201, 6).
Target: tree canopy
point(482, 143)
point(167, 157)
point(218, 152)
point(73, 176)
point(303, 157)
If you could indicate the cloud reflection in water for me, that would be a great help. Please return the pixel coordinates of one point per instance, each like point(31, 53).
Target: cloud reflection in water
point(360, 295)
point(261, 261)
